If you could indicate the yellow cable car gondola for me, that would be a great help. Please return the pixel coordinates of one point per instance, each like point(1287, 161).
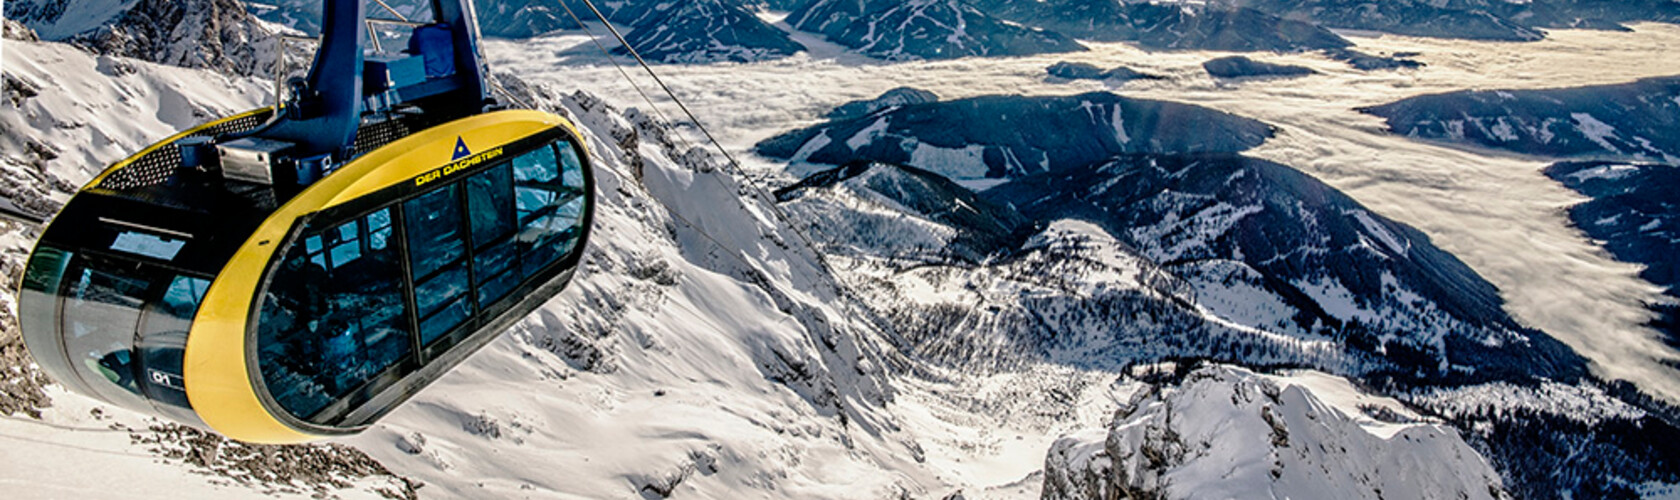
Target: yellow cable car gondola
point(295, 273)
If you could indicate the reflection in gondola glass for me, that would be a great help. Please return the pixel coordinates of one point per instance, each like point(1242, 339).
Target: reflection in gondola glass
point(328, 329)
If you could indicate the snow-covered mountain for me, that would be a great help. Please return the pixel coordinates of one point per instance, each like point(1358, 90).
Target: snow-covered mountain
point(1638, 121)
point(1447, 19)
point(1167, 25)
point(1226, 432)
point(523, 19)
point(892, 98)
point(687, 31)
point(61, 19)
point(923, 29)
point(213, 34)
point(1144, 257)
point(1008, 136)
point(1271, 248)
point(973, 285)
point(699, 31)
point(1472, 19)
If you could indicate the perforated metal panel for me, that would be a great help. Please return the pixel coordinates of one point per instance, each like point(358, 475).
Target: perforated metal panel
point(156, 166)
point(377, 135)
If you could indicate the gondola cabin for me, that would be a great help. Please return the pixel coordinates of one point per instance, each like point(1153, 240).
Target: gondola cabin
point(243, 278)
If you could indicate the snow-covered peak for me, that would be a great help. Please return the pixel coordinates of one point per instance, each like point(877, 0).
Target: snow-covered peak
point(924, 29)
point(213, 34)
point(1225, 432)
point(61, 19)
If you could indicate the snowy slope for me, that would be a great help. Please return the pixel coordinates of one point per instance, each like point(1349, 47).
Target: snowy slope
point(60, 104)
point(216, 34)
point(1226, 432)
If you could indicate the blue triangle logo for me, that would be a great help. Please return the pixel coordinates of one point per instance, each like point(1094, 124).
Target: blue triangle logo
point(461, 150)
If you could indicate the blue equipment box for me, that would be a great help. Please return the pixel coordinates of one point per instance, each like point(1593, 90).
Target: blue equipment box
point(381, 73)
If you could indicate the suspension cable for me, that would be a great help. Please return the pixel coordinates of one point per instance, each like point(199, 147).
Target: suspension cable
point(770, 202)
point(645, 98)
point(822, 260)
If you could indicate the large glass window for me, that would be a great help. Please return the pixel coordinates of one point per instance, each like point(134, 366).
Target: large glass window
point(334, 316)
point(550, 205)
point(437, 251)
point(495, 258)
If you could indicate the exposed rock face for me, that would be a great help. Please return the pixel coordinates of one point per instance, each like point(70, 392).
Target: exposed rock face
point(210, 34)
point(1243, 67)
point(14, 30)
point(1226, 432)
point(1637, 121)
point(924, 29)
point(318, 469)
point(1017, 135)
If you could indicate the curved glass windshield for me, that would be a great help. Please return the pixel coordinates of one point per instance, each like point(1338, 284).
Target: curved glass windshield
point(112, 327)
